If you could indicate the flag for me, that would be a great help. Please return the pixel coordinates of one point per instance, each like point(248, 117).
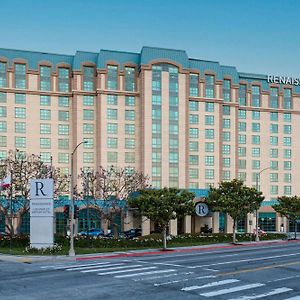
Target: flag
point(5, 182)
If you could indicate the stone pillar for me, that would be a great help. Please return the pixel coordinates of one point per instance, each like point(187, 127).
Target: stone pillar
point(145, 226)
point(215, 222)
point(250, 223)
point(104, 225)
point(285, 224)
point(173, 227)
point(187, 224)
point(229, 224)
point(128, 220)
point(278, 222)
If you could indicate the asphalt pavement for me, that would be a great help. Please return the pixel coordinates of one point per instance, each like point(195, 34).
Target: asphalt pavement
point(246, 271)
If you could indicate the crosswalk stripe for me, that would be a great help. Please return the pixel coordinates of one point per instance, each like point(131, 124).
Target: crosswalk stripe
point(145, 273)
point(92, 267)
point(111, 268)
point(74, 266)
point(293, 298)
point(274, 292)
point(211, 284)
point(129, 270)
point(232, 290)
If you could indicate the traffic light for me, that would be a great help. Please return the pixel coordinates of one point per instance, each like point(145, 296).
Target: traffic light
point(67, 211)
point(76, 210)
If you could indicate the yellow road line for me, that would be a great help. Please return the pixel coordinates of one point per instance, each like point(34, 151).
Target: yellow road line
point(260, 268)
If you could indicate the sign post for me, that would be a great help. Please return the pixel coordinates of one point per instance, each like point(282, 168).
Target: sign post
point(41, 213)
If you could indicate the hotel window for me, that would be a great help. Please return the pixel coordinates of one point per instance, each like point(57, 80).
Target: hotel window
point(242, 126)
point(3, 141)
point(242, 176)
point(274, 140)
point(255, 101)
point(129, 143)
point(194, 80)
point(209, 86)
point(287, 129)
point(156, 114)
point(287, 165)
point(20, 76)
point(63, 143)
point(156, 100)
point(112, 157)
point(3, 126)
point(194, 159)
point(242, 94)
point(45, 78)
point(226, 136)
point(63, 101)
point(255, 152)
point(112, 100)
point(112, 142)
point(173, 115)
point(130, 101)
point(255, 164)
point(63, 158)
point(63, 80)
point(274, 102)
point(273, 177)
point(209, 147)
point(45, 157)
point(226, 110)
point(45, 100)
point(242, 151)
point(209, 160)
point(226, 162)
point(88, 128)
point(209, 120)
point(255, 115)
point(3, 155)
point(156, 171)
point(112, 114)
point(287, 153)
point(20, 112)
point(209, 174)
point(112, 128)
point(45, 114)
point(255, 139)
point(226, 123)
point(156, 128)
point(193, 173)
point(242, 163)
point(20, 127)
point(20, 98)
point(287, 190)
point(63, 115)
point(173, 101)
point(88, 78)
point(242, 139)
point(287, 117)
point(3, 78)
point(287, 99)
point(274, 165)
point(20, 142)
point(45, 143)
point(194, 119)
point(130, 129)
point(88, 100)
point(273, 153)
point(287, 141)
point(255, 127)
point(209, 107)
point(194, 146)
point(156, 142)
point(242, 114)
point(194, 133)
point(274, 189)
point(88, 114)
point(227, 90)
point(45, 128)
point(3, 111)
point(173, 143)
point(63, 129)
point(287, 177)
point(129, 157)
point(129, 115)
point(156, 157)
point(3, 97)
point(226, 149)
point(112, 77)
point(274, 116)
point(225, 175)
point(88, 157)
point(273, 128)
point(173, 129)
point(173, 157)
point(129, 79)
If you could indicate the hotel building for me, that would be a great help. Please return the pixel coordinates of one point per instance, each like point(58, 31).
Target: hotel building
point(185, 122)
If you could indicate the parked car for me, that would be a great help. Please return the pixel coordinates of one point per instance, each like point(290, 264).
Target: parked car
point(132, 233)
point(95, 232)
point(3, 234)
point(111, 235)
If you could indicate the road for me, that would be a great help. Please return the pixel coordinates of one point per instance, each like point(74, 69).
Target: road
point(245, 272)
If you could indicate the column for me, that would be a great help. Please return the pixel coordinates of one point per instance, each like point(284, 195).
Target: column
point(128, 220)
point(145, 226)
point(188, 224)
point(229, 224)
point(173, 227)
point(215, 222)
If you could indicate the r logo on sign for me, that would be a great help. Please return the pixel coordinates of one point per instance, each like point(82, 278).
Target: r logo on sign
point(39, 187)
point(201, 209)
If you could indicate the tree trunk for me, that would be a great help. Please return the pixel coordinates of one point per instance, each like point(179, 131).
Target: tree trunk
point(164, 232)
point(295, 228)
point(234, 233)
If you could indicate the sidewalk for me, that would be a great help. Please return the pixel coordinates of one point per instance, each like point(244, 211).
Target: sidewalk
point(137, 253)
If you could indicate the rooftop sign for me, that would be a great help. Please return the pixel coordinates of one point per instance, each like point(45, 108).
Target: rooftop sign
point(283, 80)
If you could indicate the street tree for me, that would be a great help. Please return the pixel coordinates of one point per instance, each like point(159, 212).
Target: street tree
point(235, 199)
point(112, 186)
point(20, 168)
point(163, 205)
point(289, 206)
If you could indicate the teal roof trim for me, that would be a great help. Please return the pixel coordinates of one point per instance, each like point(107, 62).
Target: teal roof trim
point(118, 56)
point(149, 54)
point(33, 58)
point(83, 57)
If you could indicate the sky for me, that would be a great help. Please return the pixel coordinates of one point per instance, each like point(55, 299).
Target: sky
point(255, 36)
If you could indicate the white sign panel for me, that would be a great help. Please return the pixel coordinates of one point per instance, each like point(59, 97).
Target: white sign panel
point(201, 209)
point(41, 208)
point(41, 189)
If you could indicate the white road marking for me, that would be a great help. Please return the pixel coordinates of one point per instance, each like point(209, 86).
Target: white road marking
point(207, 269)
point(246, 260)
point(145, 273)
point(123, 271)
point(92, 267)
point(232, 290)
point(182, 280)
point(111, 268)
point(74, 266)
point(211, 284)
point(284, 278)
point(207, 276)
point(274, 292)
point(157, 277)
point(172, 265)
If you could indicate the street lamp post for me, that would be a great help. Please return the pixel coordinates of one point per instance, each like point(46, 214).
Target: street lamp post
point(72, 251)
point(256, 212)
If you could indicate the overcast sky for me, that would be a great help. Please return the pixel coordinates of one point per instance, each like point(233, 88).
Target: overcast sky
point(256, 36)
